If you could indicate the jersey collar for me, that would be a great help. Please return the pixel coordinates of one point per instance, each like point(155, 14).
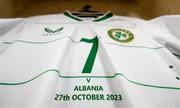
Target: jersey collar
point(107, 15)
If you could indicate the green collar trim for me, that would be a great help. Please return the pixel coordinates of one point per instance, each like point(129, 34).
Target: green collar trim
point(104, 17)
point(101, 18)
point(68, 14)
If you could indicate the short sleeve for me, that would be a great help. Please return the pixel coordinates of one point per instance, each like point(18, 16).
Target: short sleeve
point(7, 25)
point(166, 31)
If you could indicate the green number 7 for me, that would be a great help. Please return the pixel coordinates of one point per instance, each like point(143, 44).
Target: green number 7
point(92, 55)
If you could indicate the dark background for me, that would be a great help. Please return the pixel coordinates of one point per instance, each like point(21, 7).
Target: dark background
point(146, 9)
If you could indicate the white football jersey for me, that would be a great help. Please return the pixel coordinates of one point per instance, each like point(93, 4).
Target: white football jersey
point(69, 62)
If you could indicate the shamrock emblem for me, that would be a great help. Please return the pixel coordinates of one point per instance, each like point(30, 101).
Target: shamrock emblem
point(120, 35)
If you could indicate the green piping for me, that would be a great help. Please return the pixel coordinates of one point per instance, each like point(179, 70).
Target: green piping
point(46, 42)
point(113, 76)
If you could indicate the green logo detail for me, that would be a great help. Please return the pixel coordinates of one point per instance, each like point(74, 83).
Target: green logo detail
point(53, 31)
point(121, 35)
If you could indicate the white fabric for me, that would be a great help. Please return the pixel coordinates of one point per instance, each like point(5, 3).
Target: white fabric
point(37, 66)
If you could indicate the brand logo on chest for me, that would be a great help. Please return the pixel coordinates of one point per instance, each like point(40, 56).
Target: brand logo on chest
point(50, 32)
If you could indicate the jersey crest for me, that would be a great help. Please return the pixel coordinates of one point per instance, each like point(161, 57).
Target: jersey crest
point(120, 35)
